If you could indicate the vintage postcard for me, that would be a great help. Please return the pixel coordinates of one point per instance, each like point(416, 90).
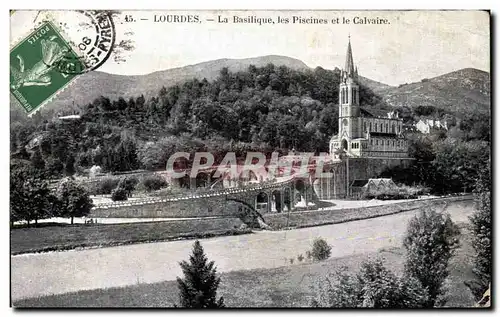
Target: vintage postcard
point(251, 159)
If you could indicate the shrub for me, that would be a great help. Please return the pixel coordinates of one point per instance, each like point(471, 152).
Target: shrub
point(308, 255)
point(300, 258)
point(430, 242)
point(119, 194)
point(291, 260)
point(105, 185)
point(128, 184)
point(373, 286)
point(321, 250)
point(153, 182)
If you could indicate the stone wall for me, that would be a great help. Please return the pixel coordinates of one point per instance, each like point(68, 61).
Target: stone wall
point(324, 217)
point(189, 208)
point(335, 187)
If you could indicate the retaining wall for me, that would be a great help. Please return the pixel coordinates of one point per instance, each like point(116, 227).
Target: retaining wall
point(190, 208)
point(323, 217)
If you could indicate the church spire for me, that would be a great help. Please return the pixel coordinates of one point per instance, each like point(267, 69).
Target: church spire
point(349, 62)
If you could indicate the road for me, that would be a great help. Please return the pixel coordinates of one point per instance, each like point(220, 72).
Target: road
point(60, 272)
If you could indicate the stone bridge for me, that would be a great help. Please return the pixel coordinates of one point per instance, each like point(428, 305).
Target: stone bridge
point(248, 202)
point(251, 200)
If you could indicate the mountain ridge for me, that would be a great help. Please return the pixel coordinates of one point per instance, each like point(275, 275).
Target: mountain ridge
point(457, 88)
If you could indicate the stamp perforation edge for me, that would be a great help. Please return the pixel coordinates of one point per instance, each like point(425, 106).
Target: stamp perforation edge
point(71, 44)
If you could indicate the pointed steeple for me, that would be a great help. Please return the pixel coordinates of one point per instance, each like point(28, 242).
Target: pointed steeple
point(349, 62)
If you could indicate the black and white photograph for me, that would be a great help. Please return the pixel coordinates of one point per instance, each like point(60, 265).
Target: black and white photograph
point(250, 159)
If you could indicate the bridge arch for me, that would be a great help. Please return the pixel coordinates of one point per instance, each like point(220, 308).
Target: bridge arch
point(250, 216)
point(262, 201)
point(276, 200)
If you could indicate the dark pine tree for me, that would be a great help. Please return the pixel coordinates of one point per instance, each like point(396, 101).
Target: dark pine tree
point(37, 160)
point(198, 288)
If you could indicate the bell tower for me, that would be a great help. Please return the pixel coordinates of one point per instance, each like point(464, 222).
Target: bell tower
point(349, 111)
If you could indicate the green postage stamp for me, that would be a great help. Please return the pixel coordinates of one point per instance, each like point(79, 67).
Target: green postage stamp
point(34, 73)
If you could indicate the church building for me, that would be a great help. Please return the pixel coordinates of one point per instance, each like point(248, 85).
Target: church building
point(362, 134)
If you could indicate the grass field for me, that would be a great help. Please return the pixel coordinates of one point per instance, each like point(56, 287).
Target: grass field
point(288, 286)
point(64, 237)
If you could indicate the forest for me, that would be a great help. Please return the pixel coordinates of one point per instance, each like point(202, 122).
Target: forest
point(261, 109)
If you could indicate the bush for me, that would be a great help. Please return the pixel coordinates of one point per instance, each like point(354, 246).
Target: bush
point(300, 258)
point(321, 250)
point(105, 185)
point(308, 255)
point(128, 184)
point(373, 286)
point(153, 182)
point(119, 194)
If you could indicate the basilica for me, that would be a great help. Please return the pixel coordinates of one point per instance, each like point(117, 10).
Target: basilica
point(362, 134)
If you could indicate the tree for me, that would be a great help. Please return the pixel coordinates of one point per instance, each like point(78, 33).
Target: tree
point(430, 242)
point(69, 167)
point(372, 286)
point(37, 160)
point(54, 166)
point(74, 199)
point(28, 195)
point(480, 225)
point(198, 288)
point(119, 194)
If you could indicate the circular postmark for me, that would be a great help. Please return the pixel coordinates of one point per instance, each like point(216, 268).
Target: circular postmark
point(94, 48)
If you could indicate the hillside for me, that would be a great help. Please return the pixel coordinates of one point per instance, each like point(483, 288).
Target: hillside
point(94, 84)
point(455, 92)
point(373, 85)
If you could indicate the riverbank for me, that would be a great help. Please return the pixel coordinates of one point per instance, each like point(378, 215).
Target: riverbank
point(62, 237)
point(291, 285)
point(34, 275)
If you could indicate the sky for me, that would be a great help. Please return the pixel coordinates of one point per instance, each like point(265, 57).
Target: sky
point(414, 45)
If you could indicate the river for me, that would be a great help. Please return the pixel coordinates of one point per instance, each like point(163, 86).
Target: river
point(60, 272)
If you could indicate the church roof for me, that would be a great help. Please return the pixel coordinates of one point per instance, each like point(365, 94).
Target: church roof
point(349, 62)
point(365, 113)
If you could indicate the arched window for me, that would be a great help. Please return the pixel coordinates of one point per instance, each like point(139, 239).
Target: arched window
point(386, 127)
point(393, 128)
point(376, 127)
point(365, 125)
point(370, 127)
